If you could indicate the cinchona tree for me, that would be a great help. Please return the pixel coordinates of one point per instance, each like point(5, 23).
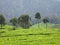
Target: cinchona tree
point(14, 22)
point(24, 20)
point(38, 17)
point(45, 20)
point(2, 20)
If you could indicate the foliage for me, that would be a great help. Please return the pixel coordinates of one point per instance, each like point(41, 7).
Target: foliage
point(45, 20)
point(14, 22)
point(2, 20)
point(37, 15)
point(24, 21)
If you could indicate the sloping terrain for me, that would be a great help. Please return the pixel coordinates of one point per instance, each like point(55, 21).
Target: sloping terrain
point(31, 36)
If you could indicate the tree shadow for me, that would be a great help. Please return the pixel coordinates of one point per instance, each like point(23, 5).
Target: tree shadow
point(11, 29)
point(2, 32)
point(2, 28)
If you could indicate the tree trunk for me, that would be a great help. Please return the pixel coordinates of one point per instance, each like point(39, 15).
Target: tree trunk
point(24, 25)
point(38, 24)
point(14, 28)
point(1, 26)
point(46, 26)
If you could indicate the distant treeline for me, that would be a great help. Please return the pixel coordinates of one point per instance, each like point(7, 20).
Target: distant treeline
point(25, 20)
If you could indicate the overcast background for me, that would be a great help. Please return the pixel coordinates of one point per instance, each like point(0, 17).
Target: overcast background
point(15, 8)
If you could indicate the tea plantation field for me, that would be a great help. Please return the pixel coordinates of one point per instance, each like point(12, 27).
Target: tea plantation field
point(31, 36)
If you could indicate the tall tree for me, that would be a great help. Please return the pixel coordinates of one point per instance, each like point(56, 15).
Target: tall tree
point(2, 20)
point(14, 22)
point(24, 20)
point(45, 20)
point(38, 17)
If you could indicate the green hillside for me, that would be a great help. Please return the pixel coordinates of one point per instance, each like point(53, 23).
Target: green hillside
point(31, 36)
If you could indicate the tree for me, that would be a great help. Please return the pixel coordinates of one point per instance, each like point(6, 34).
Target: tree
point(45, 20)
point(38, 17)
point(14, 22)
point(24, 20)
point(2, 20)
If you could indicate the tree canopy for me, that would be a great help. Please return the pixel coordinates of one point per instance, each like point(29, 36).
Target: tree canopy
point(37, 15)
point(2, 20)
point(14, 21)
point(24, 20)
point(45, 20)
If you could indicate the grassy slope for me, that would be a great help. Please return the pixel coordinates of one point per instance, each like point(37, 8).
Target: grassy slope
point(31, 36)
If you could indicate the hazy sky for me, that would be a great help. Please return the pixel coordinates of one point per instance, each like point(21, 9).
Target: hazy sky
point(18, 7)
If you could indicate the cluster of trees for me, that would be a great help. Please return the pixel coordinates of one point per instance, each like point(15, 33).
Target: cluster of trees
point(2, 20)
point(38, 17)
point(23, 20)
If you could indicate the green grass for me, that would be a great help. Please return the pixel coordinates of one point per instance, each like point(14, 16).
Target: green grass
point(31, 36)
